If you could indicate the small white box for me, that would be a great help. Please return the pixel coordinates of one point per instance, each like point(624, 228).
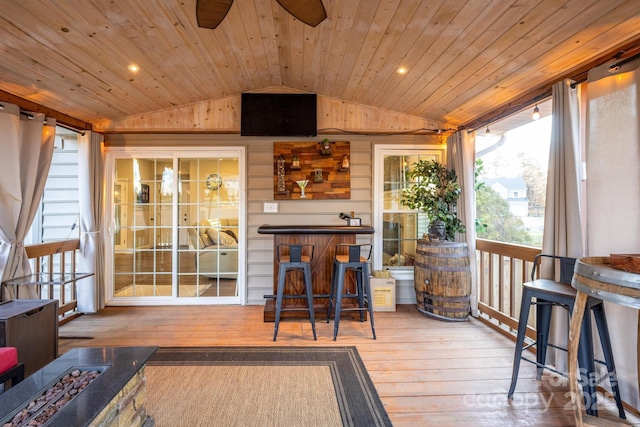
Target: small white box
point(384, 294)
point(270, 207)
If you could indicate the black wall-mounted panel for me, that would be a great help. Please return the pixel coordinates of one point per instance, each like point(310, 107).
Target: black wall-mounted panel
point(271, 114)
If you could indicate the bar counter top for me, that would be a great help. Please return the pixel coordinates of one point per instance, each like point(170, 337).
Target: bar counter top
point(315, 229)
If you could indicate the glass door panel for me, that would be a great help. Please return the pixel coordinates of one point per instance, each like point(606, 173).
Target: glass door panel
point(175, 234)
point(164, 203)
point(208, 212)
point(138, 269)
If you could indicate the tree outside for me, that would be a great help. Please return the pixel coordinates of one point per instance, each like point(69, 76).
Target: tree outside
point(511, 182)
point(536, 179)
point(498, 223)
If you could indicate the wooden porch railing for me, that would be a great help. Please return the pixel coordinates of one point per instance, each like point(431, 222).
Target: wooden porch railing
point(57, 257)
point(502, 269)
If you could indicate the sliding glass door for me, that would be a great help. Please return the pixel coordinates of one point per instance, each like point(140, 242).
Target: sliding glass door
point(176, 228)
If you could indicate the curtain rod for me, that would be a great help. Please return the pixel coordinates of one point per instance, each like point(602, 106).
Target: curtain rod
point(613, 68)
point(30, 117)
point(616, 65)
point(514, 109)
point(81, 132)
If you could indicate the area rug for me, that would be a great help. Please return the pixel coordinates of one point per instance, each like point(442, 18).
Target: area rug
point(261, 386)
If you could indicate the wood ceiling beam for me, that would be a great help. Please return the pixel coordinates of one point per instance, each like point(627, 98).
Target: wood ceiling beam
point(31, 106)
point(578, 75)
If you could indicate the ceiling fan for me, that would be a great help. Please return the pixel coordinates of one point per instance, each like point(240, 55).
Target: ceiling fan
point(210, 13)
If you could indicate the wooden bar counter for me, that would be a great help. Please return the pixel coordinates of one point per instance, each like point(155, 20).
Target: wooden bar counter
point(324, 238)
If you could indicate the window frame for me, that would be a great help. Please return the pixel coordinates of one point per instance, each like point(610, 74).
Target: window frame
point(437, 151)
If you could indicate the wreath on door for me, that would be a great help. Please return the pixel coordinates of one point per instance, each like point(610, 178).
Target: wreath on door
point(213, 181)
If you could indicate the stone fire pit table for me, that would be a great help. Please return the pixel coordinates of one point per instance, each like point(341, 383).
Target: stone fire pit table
point(108, 400)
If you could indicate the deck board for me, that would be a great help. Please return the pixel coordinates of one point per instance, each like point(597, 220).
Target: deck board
point(427, 372)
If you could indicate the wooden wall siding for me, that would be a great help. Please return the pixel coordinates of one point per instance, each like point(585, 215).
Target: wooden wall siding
point(303, 212)
point(223, 116)
point(335, 182)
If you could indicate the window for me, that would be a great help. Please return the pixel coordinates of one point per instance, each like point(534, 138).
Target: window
point(59, 211)
point(512, 161)
point(401, 227)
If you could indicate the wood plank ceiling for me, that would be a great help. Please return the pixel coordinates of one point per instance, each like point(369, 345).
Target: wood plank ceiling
point(463, 58)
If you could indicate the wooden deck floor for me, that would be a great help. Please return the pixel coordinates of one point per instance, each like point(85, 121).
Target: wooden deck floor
point(427, 372)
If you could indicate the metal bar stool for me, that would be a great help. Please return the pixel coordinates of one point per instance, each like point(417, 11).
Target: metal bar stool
point(292, 258)
point(548, 293)
point(350, 258)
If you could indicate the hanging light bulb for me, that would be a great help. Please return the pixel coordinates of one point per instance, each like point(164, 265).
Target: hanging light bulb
point(536, 113)
point(487, 131)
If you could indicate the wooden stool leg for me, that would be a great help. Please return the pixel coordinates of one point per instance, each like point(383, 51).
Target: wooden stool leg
point(574, 338)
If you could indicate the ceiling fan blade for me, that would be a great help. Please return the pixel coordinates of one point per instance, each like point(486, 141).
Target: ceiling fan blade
point(311, 12)
point(210, 13)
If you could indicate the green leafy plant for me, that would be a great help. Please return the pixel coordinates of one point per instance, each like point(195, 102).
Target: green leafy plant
point(435, 192)
point(479, 185)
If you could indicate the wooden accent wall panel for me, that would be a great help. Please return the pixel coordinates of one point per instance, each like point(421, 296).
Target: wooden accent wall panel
point(223, 116)
point(336, 182)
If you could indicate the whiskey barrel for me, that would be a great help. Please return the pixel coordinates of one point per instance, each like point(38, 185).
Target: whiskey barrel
point(442, 277)
point(595, 276)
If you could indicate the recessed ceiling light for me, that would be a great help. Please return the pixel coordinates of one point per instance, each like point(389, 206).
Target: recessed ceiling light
point(133, 68)
point(401, 71)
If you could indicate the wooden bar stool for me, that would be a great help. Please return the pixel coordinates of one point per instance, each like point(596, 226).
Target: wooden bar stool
point(294, 257)
point(350, 257)
point(548, 293)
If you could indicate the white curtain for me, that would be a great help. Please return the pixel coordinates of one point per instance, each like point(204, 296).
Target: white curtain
point(27, 149)
point(613, 196)
point(562, 217)
point(91, 190)
point(461, 152)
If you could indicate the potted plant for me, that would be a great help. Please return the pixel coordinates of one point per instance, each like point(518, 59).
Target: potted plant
point(435, 192)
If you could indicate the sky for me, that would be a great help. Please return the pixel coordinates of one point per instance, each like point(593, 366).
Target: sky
point(532, 139)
